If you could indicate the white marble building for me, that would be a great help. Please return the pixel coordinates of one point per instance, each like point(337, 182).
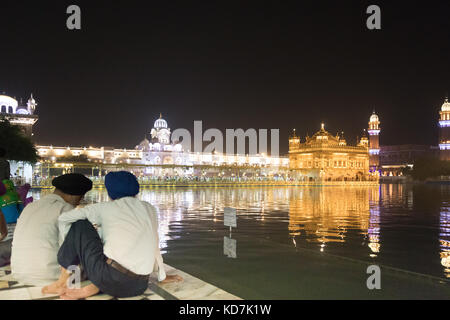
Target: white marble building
point(160, 150)
point(161, 157)
point(18, 113)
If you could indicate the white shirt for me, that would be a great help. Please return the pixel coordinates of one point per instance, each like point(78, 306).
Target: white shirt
point(128, 228)
point(36, 242)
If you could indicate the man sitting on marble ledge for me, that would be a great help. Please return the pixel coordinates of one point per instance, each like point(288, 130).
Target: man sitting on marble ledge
point(115, 242)
point(36, 242)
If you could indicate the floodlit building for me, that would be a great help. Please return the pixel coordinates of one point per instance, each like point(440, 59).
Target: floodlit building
point(444, 131)
point(160, 150)
point(395, 159)
point(19, 114)
point(324, 157)
point(160, 157)
point(23, 116)
point(392, 160)
point(374, 142)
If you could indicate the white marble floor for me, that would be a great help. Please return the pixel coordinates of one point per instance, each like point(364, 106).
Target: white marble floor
point(190, 289)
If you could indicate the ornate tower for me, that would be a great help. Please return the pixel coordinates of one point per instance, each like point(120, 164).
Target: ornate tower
point(444, 131)
point(294, 141)
point(294, 145)
point(364, 141)
point(161, 132)
point(374, 142)
point(31, 105)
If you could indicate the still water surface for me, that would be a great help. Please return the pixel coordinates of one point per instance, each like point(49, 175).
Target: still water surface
point(309, 242)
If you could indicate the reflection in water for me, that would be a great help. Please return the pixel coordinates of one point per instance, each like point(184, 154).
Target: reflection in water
point(366, 223)
point(374, 222)
point(327, 214)
point(229, 247)
point(444, 240)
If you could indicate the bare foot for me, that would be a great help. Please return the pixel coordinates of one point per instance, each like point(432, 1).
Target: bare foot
point(170, 279)
point(76, 294)
point(55, 288)
point(58, 286)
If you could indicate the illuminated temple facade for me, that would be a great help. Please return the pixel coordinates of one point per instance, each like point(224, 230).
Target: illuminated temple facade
point(325, 157)
point(19, 114)
point(374, 142)
point(159, 155)
point(444, 131)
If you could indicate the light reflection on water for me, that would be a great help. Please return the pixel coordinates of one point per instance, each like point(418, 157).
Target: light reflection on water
point(402, 226)
point(444, 239)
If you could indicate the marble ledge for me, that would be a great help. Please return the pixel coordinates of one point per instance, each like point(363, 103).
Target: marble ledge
point(191, 288)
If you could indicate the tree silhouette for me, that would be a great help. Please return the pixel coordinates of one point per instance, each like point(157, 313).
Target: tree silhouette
point(18, 147)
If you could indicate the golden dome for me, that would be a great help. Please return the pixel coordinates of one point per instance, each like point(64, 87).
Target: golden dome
point(374, 118)
point(323, 136)
point(446, 105)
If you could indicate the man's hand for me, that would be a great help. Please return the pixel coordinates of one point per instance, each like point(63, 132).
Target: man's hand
point(170, 279)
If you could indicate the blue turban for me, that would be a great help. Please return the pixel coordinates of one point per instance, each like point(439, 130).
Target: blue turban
point(121, 184)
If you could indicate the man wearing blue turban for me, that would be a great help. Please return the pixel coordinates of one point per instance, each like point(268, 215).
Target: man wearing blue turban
point(120, 255)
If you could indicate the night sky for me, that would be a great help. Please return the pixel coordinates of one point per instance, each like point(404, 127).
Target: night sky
point(232, 64)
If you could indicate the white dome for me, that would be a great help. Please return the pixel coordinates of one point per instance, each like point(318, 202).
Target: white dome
point(160, 123)
point(8, 101)
point(374, 118)
point(22, 111)
point(446, 105)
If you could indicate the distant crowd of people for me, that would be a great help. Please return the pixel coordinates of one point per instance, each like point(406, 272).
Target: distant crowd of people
point(114, 244)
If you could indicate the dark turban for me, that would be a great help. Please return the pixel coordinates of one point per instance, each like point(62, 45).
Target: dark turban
point(74, 184)
point(121, 184)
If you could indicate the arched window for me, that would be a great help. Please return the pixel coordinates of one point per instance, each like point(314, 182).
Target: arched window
point(3, 109)
point(10, 109)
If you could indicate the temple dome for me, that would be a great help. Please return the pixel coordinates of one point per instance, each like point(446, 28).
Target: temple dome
point(22, 111)
point(323, 137)
point(8, 101)
point(374, 118)
point(160, 123)
point(446, 105)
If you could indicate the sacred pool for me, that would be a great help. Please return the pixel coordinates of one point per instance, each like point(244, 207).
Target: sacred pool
point(308, 242)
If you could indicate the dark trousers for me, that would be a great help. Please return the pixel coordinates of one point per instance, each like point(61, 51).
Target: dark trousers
point(5, 252)
point(84, 247)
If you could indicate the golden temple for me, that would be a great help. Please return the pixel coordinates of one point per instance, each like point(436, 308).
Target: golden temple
point(324, 157)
